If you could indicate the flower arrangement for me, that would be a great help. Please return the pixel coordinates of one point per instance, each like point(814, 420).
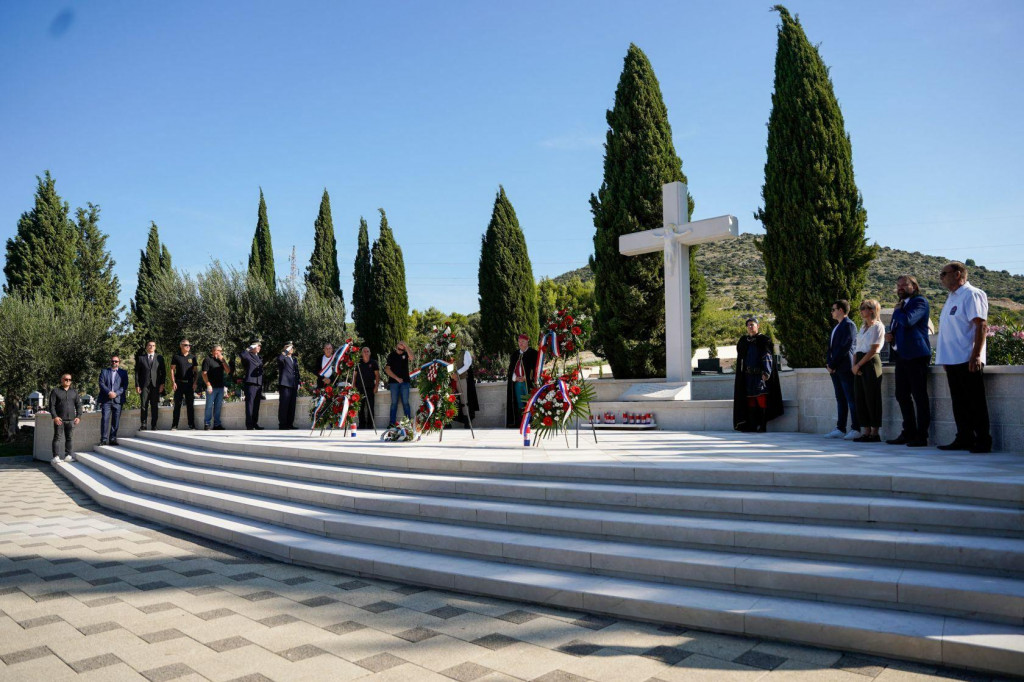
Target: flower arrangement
point(402, 432)
point(491, 368)
point(438, 402)
point(562, 395)
point(337, 404)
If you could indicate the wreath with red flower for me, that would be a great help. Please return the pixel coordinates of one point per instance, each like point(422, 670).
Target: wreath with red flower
point(438, 401)
point(336, 405)
point(562, 395)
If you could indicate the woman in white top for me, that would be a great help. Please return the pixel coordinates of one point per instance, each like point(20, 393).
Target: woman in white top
point(867, 372)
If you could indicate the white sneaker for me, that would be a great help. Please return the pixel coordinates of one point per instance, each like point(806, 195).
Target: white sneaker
point(851, 434)
point(54, 461)
point(834, 433)
point(69, 458)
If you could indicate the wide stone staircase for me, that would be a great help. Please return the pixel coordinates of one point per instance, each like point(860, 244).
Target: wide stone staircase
point(928, 569)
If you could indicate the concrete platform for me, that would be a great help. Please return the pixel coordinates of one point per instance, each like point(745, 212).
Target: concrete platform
point(914, 553)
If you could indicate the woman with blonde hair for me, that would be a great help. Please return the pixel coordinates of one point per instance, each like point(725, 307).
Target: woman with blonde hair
point(867, 372)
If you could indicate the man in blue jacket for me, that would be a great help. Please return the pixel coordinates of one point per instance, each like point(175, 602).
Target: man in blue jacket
point(113, 382)
point(252, 372)
point(839, 362)
point(908, 335)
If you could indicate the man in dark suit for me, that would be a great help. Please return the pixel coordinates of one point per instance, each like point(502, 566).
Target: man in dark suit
point(520, 381)
point(150, 375)
point(839, 362)
point(252, 373)
point(909, 336)
point(287, 386)
point(113, 384)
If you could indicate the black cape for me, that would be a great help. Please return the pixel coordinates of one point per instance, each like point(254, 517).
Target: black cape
point(739, 396)
point(513, 415)
point(467, 385)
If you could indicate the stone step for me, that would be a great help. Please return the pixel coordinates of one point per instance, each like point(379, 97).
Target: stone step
point(944, 640)
point(982, 597)
point(372, 454)
point(784, 505)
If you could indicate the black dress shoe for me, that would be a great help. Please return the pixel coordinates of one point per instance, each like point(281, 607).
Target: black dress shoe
point(917, 443)
point(257, 427)
point(898, 440)
point(103, 442)
point(981, 448)
point(865, 439)
point(113, 442)
point(218, 428)
point(956, 445)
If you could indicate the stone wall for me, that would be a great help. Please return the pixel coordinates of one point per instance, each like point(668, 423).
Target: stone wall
point(809, 400)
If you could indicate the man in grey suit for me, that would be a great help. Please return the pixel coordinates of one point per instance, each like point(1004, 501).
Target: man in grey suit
point(150, 375)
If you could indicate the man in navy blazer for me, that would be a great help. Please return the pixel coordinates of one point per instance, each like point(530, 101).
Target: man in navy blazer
point(908, 335)
point(252, 372)
point(839, 362)
point(113, 383)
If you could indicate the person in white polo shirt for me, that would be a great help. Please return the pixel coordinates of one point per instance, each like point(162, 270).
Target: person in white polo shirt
point(961, 351)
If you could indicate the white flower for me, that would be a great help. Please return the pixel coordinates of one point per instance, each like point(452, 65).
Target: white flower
point(447, 330)
point(451, 346)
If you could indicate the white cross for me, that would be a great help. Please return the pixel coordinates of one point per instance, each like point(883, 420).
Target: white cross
point(675, 238)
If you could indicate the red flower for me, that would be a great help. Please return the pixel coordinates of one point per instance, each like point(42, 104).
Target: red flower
point(438, 424)
point(547, 421)
point(435, 397)
point(449, 413)
point(569, 345)
point(561, 312)
point(329, 390)
point(452, 399)
point(355, 397)
point(575, 390)
point(577, 331)
point(336, 409)
point(348, 340)
point(568, 319)
point(552, 326)
point(351, 414)
point(547, 405)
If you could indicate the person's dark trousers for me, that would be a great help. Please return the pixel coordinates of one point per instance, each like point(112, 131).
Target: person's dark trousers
point(867, 389)
point(912, 396)
point(253, 398)
point(365, 417)
point(842, 383)
point(970, 409)
point(188, 396)
point(68, 428)
point(150, 404)
point(286, 408)
point(110, 416)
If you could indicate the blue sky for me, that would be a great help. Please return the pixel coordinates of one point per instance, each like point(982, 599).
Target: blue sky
point(179, 112)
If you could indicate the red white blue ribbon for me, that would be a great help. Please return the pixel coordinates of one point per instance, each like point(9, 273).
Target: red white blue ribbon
point(547, 340)
point(430, 413)
point(336, 360)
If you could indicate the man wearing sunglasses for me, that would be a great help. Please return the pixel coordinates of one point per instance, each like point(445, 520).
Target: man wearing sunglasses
point(184, 375)
point(113, 382)
point(65, 406)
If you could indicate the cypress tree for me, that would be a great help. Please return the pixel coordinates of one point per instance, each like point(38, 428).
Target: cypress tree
point(322, 273)
point(814, 247)
point(100, 286)
point(508, 293)
point(387, 319)
point(154, 260)
point(41, 255)
point(639, 158)
point(261, 257)
point(361, 275)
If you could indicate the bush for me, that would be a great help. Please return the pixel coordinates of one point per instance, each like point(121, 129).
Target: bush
point(1005, 345)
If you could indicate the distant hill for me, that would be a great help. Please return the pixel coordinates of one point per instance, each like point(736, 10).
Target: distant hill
point(734, 269)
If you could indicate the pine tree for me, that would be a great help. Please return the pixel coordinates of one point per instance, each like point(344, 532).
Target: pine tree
point(361, 275)
point(154, 260)
point(387, 319)
point(639, 158)
point(41, 255)
point(100, 287)
point(508, 293)
point(261, 257)
point(814, 247)
point(322, 273)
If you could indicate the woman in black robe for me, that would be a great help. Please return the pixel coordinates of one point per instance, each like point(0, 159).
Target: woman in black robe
point(522, 365)
point(757, 395)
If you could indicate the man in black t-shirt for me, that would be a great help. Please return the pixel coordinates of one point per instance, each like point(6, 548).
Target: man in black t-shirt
point(215, 369)
point(367, 376)
point(184, 375)
point(397, 370)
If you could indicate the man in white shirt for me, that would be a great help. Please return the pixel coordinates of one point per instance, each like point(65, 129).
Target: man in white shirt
point(961, 351)
point(326, 371)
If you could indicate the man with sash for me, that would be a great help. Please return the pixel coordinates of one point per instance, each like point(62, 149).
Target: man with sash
point(522, 368)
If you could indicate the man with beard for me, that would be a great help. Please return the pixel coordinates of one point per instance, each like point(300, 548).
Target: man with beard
point(522, 368)
point(757, 395)
point(908, 334)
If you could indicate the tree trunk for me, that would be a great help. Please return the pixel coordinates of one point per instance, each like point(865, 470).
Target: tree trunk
point(10, 426)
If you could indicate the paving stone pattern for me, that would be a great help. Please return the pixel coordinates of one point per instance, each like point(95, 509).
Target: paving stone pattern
point(88, 594)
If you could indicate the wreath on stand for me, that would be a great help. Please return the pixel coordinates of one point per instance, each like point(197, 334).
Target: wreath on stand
point(438, 399)
point(336, 405)
point(562, 396)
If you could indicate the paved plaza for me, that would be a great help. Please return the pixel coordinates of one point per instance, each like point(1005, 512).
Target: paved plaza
point(89, 594)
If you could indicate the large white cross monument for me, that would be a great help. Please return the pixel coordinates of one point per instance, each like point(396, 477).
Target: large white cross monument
point(675, 238)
